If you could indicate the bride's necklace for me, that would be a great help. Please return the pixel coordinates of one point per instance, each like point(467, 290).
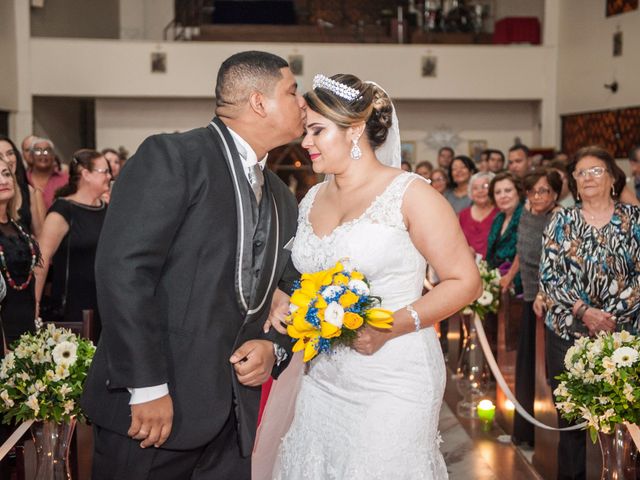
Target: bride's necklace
point(34, 259)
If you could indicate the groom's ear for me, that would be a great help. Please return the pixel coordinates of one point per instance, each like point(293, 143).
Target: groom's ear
point(257, 103)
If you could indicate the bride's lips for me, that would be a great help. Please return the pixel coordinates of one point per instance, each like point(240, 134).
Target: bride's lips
point(313, 156)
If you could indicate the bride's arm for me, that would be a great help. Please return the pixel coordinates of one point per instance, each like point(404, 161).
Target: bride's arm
point(435, 232)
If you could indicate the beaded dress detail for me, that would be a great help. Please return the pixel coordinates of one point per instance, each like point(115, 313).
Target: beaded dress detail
point(369, 417)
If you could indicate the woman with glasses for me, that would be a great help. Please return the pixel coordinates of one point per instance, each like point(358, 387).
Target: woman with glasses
point(45, 174)
point(589, 274)
point(439, 180)
point(476, 220)
point(30, 206)
point(70, 237)
point(543, 188)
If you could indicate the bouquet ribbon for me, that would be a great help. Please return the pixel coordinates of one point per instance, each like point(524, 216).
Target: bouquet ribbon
point(493, 365)
point(13, 439)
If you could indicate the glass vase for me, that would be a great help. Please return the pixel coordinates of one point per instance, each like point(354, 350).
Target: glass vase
point(473, 376)
point(618, 454)
point(52, 441)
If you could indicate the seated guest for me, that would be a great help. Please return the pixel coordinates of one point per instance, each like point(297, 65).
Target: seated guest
point(424, 169)
point(460, 171)
point(481, 163)
point(565, 199)
point(476, 220)
point(70, 237)
point(543, 187)
point(44, 174)
point(589, 274)
point(439, 180)
point(445, 157)
point(30, 202)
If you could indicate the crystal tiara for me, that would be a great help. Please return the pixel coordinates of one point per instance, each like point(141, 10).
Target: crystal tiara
point(337, 88)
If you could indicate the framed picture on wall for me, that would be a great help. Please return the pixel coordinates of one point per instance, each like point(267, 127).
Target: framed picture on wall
point(408, 152)
point(476, 147)
point(616, 7)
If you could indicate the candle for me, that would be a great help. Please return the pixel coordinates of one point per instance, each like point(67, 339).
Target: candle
point(486, 411)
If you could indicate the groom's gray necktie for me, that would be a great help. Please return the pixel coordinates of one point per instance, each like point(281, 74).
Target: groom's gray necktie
point(256, 180)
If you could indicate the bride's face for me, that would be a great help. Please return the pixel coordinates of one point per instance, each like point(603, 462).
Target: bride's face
point(327, 143)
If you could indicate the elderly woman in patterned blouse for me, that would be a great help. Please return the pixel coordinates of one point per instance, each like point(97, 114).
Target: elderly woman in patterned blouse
point(589, 274)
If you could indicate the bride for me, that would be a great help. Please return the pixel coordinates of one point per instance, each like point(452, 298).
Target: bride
point(369, 411)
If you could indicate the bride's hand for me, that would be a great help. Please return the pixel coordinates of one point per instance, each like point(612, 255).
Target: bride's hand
point(370, 340)
point(278, 313)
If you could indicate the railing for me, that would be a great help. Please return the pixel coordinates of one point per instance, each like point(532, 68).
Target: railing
point(189, 16)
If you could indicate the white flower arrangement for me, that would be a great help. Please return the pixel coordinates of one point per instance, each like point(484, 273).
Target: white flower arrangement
point(602, 382)
point(489, 301)
point(42, 378)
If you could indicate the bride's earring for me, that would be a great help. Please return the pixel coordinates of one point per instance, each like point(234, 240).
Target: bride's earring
point(356, 153)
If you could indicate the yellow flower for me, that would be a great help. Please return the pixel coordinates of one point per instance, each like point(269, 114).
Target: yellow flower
point(300, 328)
point(309, 347)
point(329, 330)
point(340, 279)
point(352, 320)
point(379, 318)
point(348, 298)
point(356, 276)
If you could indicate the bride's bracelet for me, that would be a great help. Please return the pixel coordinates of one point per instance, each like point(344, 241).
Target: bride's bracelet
point(414, 315)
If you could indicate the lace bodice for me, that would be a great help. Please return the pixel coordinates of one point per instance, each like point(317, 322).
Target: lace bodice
point(377, 243)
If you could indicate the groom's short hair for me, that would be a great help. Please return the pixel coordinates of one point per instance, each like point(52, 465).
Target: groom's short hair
point(245, 72)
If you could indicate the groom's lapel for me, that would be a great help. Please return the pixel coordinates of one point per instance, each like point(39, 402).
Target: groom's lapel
point(244, 252)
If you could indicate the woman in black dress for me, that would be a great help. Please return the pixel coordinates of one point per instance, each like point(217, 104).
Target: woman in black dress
point(19, 256)
point(30, 205)
point(70, 237)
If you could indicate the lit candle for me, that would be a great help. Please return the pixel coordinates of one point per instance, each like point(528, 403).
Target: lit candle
point(486, 411)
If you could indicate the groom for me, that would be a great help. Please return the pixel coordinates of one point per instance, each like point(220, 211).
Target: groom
point(193, 246)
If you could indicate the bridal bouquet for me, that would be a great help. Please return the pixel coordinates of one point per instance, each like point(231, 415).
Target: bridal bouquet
point(329, 307)
point(42, 377)
point(489, 301)
point(602, 382)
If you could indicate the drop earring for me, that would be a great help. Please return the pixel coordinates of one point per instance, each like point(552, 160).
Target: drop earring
point(613, 191)
point(356, 153)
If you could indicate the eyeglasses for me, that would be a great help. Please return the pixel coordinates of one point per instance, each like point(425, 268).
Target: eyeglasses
point(595, 172)
point(541, 192)
point(102, 170)
point(42, 151)
point(480, 188)
point(438, 180)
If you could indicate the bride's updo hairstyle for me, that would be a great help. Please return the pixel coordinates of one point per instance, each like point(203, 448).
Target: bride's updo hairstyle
point(371, 105)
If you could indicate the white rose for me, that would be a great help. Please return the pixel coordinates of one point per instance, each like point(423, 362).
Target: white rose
point(485, 299)
point(334, 313)
point(359, 287)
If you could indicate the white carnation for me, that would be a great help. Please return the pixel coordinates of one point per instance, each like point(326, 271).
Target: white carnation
point(624, 356)
point(331, 291)
point(65, 353)
point(334, 314)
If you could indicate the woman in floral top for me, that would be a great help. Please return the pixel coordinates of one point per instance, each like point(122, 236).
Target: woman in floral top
point(589, 274)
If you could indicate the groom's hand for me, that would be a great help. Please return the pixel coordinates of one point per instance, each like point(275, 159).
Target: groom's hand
point(151, 421)
point(253, 362)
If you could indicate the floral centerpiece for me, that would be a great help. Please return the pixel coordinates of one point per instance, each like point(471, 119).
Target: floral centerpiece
point(489, 301)
point(42, 378)
point(602, 382)
point(329, 307)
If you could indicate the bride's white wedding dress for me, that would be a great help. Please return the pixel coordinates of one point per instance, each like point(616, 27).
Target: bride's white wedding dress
point(369, 417)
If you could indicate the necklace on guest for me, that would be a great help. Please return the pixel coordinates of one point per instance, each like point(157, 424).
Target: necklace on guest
point(34, 259)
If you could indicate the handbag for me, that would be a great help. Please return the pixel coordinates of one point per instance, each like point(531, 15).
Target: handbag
point(54, 310)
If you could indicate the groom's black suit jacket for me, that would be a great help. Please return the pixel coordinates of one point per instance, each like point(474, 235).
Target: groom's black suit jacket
point(185, 275)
